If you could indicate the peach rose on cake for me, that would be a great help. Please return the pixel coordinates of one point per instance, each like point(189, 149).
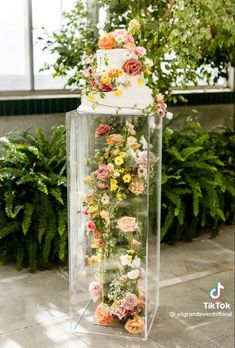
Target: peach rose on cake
point(135, 325)
point(132, 67)
point(127, 224)
point(103, 314)
point(106, 42)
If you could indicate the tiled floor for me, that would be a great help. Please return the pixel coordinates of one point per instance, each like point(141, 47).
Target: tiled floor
point(35, 314)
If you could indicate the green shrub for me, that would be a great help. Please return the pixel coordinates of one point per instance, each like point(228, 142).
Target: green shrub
point(197, 180)
point(33, 216)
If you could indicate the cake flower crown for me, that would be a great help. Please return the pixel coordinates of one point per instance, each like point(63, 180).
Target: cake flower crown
point(93, 81)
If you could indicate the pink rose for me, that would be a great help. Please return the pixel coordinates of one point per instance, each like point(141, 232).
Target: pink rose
point(145, 158)
point(130, 39)
point(102, 172)
point(120, 312)
point(95, 290)
point(91, 225)
point(85, 211)
point(161, 110)
point(132, 67)
point(120, 33)
point(102, 129)
point(127, 224)
point(102, 185)
point(140, 51)
point(130, 302)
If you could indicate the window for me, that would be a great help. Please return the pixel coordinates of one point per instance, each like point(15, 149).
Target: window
point(21, 55)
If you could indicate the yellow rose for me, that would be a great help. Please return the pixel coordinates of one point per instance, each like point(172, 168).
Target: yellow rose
point(118, 161)
point(105, 79)
point(126, 178)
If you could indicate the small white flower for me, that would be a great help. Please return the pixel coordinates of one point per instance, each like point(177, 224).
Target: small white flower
point(105, 199)
point(148, 62)
point(133, 274)
point(125, 260)
point(143, 142)
point(116, 174)
point(111, 166)
point(100, 26)
point(135, 263)
point(169, 115)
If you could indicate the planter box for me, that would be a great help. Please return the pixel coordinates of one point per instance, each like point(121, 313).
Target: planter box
point(114, 166)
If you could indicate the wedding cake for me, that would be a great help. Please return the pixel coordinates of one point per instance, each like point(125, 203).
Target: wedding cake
point(115, 78)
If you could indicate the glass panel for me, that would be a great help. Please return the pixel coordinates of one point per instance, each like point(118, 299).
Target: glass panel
point(14, 58)
point(114, 211)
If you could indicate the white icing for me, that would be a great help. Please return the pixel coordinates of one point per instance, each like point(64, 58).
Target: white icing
point(134, 98)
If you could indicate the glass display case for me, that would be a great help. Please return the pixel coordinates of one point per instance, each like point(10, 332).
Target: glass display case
point(114, 173)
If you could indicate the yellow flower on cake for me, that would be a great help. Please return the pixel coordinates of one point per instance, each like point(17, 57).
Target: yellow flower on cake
point(126, 178)
point(113, 185)
point(140, 82)
point(105, 79)
point(118, 160)
point(117, 93)
point(90, 97)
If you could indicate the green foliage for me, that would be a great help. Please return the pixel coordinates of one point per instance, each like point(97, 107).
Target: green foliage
point(180, 36)
point(33, 224)
point(197, 180)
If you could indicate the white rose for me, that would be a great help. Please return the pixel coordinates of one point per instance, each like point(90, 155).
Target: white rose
point(135, 263)
point(133, 274)
point(125, 260)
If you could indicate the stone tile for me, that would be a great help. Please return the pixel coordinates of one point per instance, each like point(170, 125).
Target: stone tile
point(225, 237)
point(32, 299)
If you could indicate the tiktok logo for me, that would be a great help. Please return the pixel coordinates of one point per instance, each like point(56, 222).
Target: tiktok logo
point(216, 292)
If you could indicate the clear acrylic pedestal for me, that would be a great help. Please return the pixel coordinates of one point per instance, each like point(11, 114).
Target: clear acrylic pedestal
point(114, 173)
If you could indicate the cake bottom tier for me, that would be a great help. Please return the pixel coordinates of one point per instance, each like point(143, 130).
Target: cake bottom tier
point(131, 101)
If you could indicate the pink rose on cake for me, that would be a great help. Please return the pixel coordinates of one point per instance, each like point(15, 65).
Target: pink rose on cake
point(120, 35)
point(140, 51)
point(132, 67)
point(127, 224)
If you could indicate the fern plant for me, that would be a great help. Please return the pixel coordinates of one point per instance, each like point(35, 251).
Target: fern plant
point(197, 180)
point(33, 223)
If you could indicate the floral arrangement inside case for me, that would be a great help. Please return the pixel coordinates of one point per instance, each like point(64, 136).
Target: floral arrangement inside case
point(119, 175)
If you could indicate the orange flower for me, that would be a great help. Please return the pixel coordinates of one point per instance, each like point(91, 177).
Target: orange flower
point(103, 314)
point(106, 42)
point(135, 325)
point(115, 139)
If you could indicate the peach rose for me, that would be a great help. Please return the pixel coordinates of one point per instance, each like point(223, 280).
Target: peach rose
point(115, 139)
point(103, 314)
point(127, 224)
point(137, 186)
point(132, 67)
point(135, 325)
point(97, 234)
point(106, 42)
